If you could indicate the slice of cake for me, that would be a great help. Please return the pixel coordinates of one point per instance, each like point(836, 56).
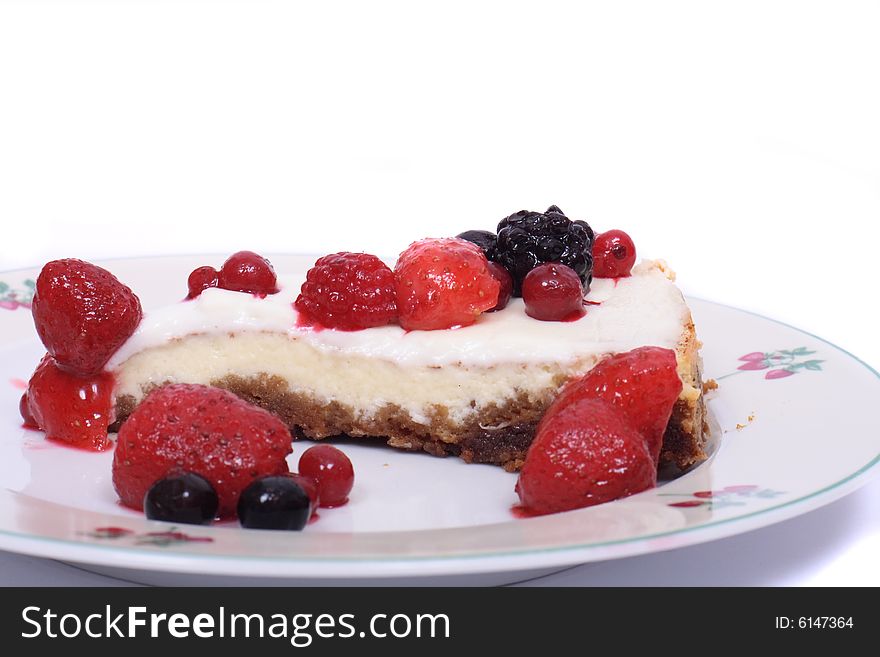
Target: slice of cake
point(433, 356)
point(476, 391)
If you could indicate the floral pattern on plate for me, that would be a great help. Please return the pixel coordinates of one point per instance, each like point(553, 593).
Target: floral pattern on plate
point(11, 298)
point(157, 539)
point(778, 364)
point(739, 495)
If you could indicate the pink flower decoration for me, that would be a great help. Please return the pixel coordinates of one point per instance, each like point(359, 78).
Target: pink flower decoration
point(753, 365)
point(740, 489)
point(9, 305)
point(778, 374)
point(755, 355)
point(112, 532)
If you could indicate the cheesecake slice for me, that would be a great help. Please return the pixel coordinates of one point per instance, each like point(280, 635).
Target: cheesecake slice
point(476, 392)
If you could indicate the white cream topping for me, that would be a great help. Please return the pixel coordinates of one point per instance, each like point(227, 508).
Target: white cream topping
point(643, 309)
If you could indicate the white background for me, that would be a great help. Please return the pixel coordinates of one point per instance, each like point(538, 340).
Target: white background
point(739, 141)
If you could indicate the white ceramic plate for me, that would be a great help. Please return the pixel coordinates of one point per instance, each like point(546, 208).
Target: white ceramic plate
point(794, 431)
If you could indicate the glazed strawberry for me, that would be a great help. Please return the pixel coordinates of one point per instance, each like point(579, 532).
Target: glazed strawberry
point(585, 454)
point(24, 409)
point(247, 271)
point(69, 408)
point(203, 430)
point(642, 383)
point(348, 291)
point(83, 314)
point(442, 283)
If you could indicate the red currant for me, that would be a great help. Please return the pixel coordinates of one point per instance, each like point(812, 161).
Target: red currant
point(500, 274)
point(553, 292)
point(200, 280)
point(614, 254)
point(26, 415)
point(332, 472)
point(247, 271)
point(309, 486)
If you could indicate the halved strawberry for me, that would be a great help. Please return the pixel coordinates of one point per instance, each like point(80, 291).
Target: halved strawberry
point(73, 409)
point(442, 283)
point(642, 383)
point(584, 454)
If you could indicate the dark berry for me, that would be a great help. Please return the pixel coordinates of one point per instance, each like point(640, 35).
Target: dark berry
point(527, 239)
point(277, 502)
point(501, 275)
point(200, 280)
point(247, 271)
point(482, 238)
point(614, 254)
point(553, 292)
point(184, 498)
point(26, 415)
point(349, 291)
point(332, 472)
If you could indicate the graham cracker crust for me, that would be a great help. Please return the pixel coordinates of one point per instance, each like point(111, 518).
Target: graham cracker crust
point(500, 434)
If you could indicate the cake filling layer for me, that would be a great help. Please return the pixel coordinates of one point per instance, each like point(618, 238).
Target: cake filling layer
point(364, 383)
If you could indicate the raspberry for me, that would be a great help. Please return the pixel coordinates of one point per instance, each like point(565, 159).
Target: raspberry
point(585, 454)
point(527, 239)
point(349, 291)
point(442, 283)
point(200, 279)
point(247, 271)
point(614, 254)
point(71, 409)
point(643, 384)
point(83, 314)
point(553, 292)
point(203, 430)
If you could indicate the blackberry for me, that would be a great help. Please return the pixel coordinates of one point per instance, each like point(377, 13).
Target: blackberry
point(527, 239)
point(483, 239)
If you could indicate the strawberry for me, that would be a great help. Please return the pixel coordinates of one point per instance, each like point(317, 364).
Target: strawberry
point(72, 409)
point(203, 430)
point(584, 454)
point(642, 383)
point(443, 283)
point(83, 314)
